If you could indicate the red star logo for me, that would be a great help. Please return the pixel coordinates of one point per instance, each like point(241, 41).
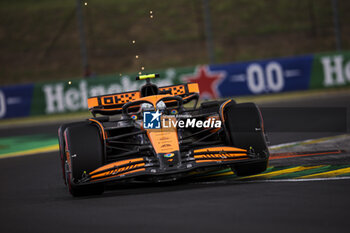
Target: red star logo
point(207, 80)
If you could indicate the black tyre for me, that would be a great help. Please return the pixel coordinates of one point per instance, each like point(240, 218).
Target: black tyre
point(86, 154)
point(61, 143)
point(244, 128)
point(250, 169)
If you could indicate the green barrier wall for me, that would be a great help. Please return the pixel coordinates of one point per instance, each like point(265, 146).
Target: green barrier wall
point(330, 70)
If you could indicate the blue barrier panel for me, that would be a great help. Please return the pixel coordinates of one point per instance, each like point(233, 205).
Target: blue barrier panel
point(266, 76)
point(15, 101)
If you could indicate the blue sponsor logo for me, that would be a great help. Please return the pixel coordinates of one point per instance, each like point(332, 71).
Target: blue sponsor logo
point(151, 120)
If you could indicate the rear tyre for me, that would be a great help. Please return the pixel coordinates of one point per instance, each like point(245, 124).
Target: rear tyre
point(244, 128)
point(86, 154)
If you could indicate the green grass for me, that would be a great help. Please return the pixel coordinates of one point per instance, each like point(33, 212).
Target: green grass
point(18, 122)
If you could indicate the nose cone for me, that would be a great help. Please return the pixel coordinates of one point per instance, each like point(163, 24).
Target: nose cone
point(169, 161)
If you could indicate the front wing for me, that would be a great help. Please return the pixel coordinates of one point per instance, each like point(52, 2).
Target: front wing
point(193, 160)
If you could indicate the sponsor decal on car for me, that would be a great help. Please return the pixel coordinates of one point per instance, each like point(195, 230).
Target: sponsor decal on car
point(169, 155)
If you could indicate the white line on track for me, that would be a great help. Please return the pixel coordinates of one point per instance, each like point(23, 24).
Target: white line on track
point(275, 181)
point(307, 141)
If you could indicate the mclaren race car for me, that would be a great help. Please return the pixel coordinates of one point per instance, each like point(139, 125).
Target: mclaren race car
point(151, 136)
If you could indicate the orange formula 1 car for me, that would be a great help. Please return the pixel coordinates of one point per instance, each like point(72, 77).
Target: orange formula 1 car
point(150, 136)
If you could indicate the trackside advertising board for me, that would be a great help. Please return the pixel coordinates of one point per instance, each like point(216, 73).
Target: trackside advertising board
point(260, 77)
point(330, 70)
point(61, 97)
point(215, 81)
point(16, 101)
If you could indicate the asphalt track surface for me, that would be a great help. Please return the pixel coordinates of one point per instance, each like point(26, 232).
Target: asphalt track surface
point(33, 197)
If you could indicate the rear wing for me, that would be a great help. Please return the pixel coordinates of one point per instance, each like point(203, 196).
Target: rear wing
point(112, 104)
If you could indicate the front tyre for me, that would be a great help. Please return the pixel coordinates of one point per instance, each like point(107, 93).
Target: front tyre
point(251, 169)
point(85, 155)
point(244, 129)
point(62, 145)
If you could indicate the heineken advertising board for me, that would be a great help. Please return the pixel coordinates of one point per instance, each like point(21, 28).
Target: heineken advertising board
point(215, 81)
